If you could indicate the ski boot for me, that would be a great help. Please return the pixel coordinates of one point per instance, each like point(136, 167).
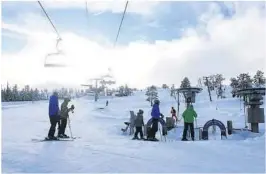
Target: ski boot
point(135, 138)
point(184, 139)
point(60, 136)
point(155, 139)
point(65, 136)
point(152, 139)
point(51, 138)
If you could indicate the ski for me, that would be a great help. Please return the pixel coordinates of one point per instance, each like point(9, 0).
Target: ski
point(70, 138)
point(45, 139)
point(150, 140)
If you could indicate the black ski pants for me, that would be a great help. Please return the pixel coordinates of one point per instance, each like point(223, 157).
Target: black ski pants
point(63, 124)
point(191, 128)
point(139, 131)
point(154, 127)
point(54, 120)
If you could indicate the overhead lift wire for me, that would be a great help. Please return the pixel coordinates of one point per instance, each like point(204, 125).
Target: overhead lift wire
point(59, 37)
point(87, 11)
point(118, 32)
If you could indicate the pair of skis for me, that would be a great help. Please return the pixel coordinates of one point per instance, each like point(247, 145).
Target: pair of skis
point(58, 139)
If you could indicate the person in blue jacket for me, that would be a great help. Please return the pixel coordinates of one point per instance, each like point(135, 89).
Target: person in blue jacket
point(54, 115)
point(155, 113)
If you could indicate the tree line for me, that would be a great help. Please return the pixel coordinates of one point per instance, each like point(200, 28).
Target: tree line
point(27, 93)
point(215, 82)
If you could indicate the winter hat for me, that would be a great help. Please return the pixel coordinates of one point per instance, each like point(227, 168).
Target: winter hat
point(156, 101)
point(55, 93)
point(66, 99)
point(141, 111)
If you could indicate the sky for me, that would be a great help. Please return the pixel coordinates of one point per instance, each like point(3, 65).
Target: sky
point(160, 42)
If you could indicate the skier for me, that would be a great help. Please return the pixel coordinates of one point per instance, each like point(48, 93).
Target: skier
point(106, 103)
point(189, 114)
point(173, 112)
point(138, 125)
point(63, 117)
point(155, 113)
point(53, 115)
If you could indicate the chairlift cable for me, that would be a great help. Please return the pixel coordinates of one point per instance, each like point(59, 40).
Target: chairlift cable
point(87, 12)
point(49, 20)
point(121, 24)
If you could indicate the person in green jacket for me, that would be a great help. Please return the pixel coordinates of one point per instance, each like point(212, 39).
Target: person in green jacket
point(188, 115)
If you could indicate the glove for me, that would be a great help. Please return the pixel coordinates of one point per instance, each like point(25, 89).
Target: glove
point(162, 116)
point(72, 107)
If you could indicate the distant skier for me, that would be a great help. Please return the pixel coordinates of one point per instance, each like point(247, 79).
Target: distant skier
point(155, 113)
point(53, 115)
point(173, 112)
point(139, 122)
point(63, 117)
point(106, 103)
point(189, 114)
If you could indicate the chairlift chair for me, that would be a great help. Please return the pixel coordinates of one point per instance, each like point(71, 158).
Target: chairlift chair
point(58, 52)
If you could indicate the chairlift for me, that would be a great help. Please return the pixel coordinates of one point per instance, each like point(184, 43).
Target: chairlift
point(53, 57)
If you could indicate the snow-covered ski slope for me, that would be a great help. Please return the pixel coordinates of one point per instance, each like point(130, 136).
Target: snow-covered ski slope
point(103, 148)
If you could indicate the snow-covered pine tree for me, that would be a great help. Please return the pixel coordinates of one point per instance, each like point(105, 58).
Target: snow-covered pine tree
point(218, 85)
point(152, 94)
point(15, 96)
point(164, 86)
point(235, 85)
point(172, 92)
point(185, 83)
point(244, 81)
point(259, 79)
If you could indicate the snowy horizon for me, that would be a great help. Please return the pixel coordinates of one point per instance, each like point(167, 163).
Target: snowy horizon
point(159, 43)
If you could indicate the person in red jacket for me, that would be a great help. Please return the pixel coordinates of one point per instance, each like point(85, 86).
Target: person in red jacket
point(173, 112)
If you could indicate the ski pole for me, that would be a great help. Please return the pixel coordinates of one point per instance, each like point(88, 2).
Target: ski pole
point(160, 133)
point(69, 128)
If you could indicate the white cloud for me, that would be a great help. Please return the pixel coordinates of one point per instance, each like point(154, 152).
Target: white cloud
point(227, 46)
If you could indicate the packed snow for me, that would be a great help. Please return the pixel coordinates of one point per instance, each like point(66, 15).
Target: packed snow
point(102, 147)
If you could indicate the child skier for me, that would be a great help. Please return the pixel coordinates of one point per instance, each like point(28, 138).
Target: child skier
point(63, 117)
point(173, 112)
point(138, 125)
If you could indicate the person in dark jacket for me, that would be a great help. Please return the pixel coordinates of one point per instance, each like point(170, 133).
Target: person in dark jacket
point(155, 113)
point(139, 122)
point(63, 117)
point(53, 115)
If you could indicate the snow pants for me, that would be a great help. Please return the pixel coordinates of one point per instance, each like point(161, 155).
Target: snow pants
point(63, 124)
point(139, 131)
point(154, 127)
point(191, 128)
point(54, 120)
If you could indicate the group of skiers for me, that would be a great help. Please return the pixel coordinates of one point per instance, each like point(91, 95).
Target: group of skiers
point(58, 117)
point(188, 115)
